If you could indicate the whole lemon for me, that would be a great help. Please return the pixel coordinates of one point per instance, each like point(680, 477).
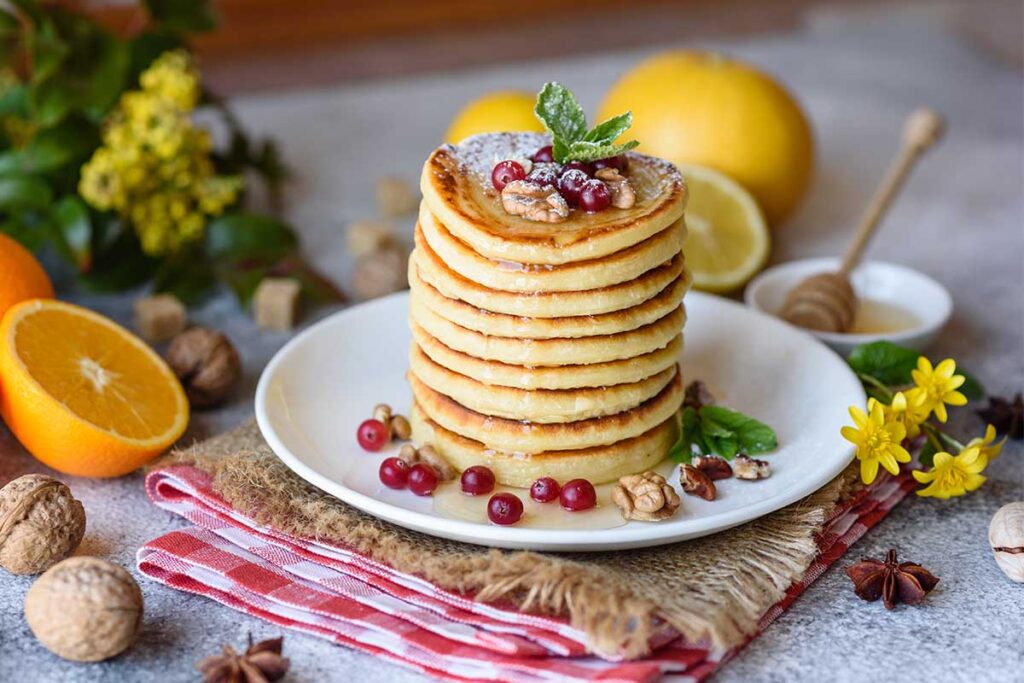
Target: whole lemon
point(21, 276)
point(704, 108)
point(497, 112)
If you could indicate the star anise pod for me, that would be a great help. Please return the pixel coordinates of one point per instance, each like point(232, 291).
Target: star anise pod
point(697, 395)
point(260, 662)
point(1006, 416)
point(891, 580)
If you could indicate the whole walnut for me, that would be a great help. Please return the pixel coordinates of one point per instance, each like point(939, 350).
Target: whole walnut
point(84, 609)
point(207, 364)
point(41, 523)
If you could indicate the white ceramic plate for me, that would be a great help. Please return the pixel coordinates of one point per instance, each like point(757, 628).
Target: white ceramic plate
point(890, 284)
point(319, 387)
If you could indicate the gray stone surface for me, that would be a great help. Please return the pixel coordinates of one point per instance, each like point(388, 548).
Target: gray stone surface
point(961, 219)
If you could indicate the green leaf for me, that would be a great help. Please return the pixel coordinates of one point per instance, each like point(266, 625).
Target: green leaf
point(608, 131)
point(971, 388)
point(48, 52)
point(74, 231)
point(240, 236)
point(689, 434)
point(107, 78)
point(734, 432)
point(24, 192)
point(182, 16)
point(72, 141)
point(562, 116)
point(50, 102)
point(927, 454)
point(889, 363)
point(14, 101)
point(121, 265)
point(145, 48)
point(186, 275)
point(586, 151)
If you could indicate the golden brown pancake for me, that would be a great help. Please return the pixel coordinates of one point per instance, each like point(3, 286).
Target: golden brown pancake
point(456, 185)
point(549, 352)
point(501, 325)
point(599, 465)
point(544, 406)
point(621, 266)
point(562, 377)
point(516, 436)
point(438, 275)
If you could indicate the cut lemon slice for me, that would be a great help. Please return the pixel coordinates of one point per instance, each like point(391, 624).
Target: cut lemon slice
point(727, 238)
point(83, 394)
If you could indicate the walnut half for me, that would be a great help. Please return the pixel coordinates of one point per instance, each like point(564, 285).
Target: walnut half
point(745, 467)
point(533, 202)
point(645, 497)
point(623, 196)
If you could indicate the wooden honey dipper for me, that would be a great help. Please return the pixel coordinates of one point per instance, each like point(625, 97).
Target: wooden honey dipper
point(826, 302)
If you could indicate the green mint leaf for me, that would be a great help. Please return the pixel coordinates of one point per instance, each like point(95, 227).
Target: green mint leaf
point(562, 116)
point(689, 434)
point(734, 432)
point(608, 131)
point(889, 363)
point(584, 150)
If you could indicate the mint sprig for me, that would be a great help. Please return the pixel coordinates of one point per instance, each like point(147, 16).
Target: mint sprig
point(564, 119)
point(716, 430)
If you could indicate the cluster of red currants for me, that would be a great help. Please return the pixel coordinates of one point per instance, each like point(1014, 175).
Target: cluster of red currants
point(575, 180)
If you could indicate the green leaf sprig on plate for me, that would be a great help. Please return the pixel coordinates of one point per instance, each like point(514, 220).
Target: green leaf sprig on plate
point(716, 430)
point(571, 140)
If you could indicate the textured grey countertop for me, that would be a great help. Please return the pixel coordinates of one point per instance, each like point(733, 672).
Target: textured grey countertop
point(961, 219)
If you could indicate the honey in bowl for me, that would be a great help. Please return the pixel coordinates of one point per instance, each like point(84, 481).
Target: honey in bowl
point(882, 317)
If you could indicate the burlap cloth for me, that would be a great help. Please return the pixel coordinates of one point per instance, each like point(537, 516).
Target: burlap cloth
point(714, 588)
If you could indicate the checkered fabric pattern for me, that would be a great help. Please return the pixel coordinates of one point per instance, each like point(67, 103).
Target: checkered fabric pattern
point(335, 593)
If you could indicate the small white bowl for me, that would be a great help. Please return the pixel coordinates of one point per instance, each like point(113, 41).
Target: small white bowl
point(926, 301)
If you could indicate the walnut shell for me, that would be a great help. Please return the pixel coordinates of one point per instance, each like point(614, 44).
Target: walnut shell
point(207, 364)
point(1006, 535)
point(84, 609)
point(41, 523)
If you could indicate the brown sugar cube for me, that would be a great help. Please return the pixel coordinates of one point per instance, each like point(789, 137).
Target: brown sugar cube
point(366, 237)
point(395, 197)
point(159, 318)
point(276, 303)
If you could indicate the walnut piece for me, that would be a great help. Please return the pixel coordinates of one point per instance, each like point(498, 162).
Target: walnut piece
point(380, 272)
point(533, 202)
point(429, 455)
point(41, 523)
point(715, 467)
point(623, 196)
point(645, 497)
point(745, 467)
point(696, 483)
point(207, 364)
point(84, 609)
point(159, 318)
point(276, 303)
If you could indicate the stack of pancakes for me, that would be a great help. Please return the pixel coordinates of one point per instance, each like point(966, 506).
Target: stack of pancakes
point(545, 349)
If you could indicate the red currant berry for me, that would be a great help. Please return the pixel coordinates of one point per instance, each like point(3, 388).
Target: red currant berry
point(594, 196)
point(543, 154)
point(578, 494)
point(477, 480)
point(616, 162)
point(545, 174)
point(372, 435)
point(394, 473)
point(570, 184)
point(422, 479)
point(504, 509)
point(505, 172)
point(545, 490)
point(579, 166)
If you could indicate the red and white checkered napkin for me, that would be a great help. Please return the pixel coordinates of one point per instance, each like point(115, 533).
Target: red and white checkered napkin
point(335, 593)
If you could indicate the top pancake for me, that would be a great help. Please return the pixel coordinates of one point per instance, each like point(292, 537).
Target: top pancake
point(457, 190)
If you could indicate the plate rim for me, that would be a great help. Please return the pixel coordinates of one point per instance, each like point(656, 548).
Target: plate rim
point(630, 535)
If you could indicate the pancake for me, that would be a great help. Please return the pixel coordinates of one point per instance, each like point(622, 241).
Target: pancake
point(565, 377)
point(549, 352)
point(515, 436)
point(501, 325)
point(438, 275)
point(456, 185)
point(621, 266)
point(600, 465)
point(545, 406)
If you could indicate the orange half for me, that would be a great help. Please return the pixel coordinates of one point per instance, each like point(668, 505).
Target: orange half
point(83, 394)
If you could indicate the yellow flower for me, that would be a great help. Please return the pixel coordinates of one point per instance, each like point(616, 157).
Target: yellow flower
point(100, 184)
point(939, 385)
point(172, 76)
point(877, 441)
point(908, 408)
point(953, 475)
point(987, 445)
